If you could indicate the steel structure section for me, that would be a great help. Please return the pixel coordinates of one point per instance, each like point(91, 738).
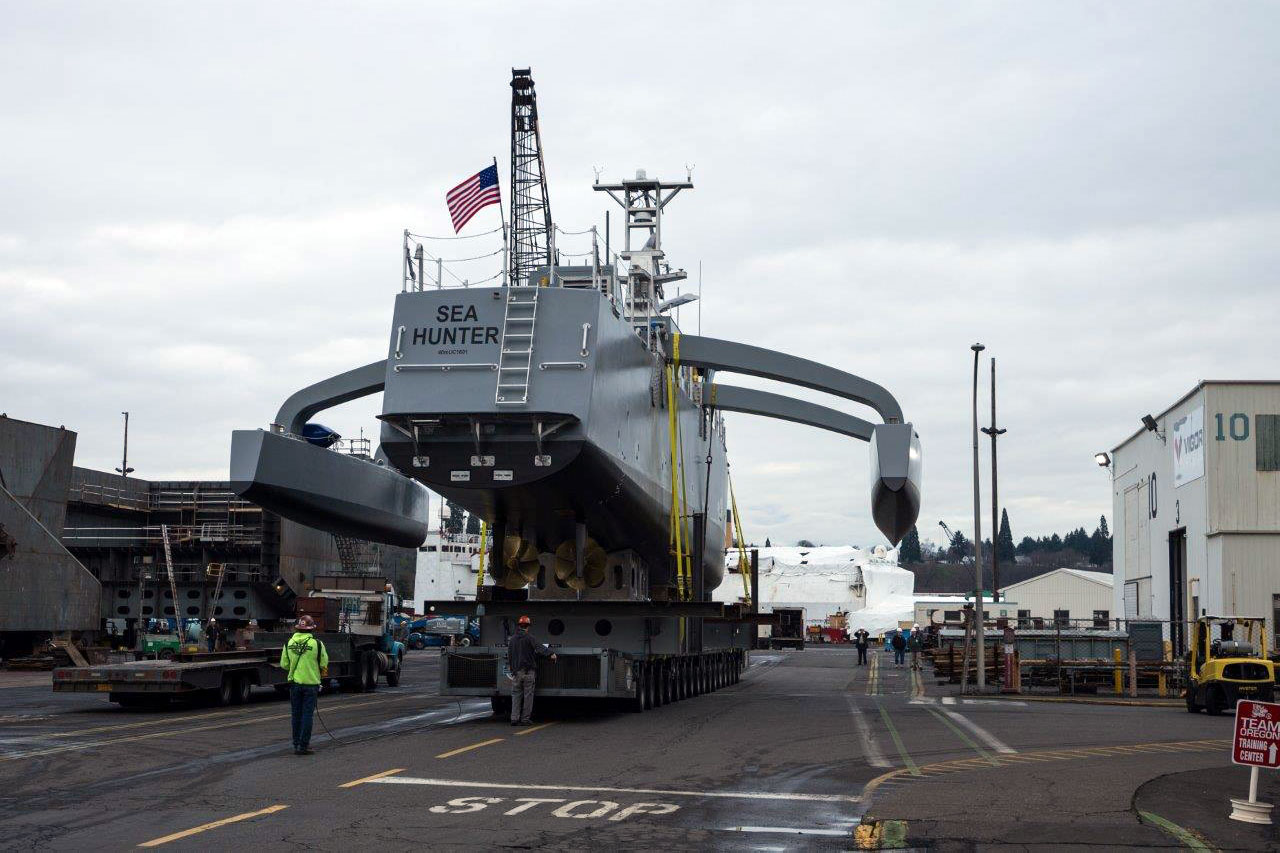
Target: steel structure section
point(42, 586)
point(735, 357)
point(731, 398)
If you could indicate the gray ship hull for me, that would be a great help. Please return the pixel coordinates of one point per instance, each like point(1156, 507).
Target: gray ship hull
point(596, 394)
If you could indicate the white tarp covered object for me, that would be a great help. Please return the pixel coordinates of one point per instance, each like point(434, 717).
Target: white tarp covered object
point(825, 579)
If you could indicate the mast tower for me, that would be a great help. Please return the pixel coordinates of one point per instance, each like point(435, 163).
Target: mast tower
point(530, 208)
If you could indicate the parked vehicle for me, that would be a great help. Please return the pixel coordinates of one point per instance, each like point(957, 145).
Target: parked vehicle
point(357, 634)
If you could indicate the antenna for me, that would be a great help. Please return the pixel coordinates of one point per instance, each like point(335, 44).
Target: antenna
point(688, 171)
point(599, 170)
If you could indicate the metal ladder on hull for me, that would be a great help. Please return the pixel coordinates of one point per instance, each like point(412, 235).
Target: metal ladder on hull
point(516, 348)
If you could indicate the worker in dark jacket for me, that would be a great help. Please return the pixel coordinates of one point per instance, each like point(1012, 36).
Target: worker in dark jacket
point(860, 638)
point(522, 661)
point(305, 659)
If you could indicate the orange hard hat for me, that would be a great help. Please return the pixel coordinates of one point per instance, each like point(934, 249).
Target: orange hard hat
point(523, 620)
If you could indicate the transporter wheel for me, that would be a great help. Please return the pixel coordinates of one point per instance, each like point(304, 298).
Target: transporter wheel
point(501, 705)
point(664, 683)
point(225, 694)
point(241, 690)
point(645, 685)
point(1215, 700)
point(635, 704)
point(393, 674)
point(697, 675)
point(686, 678)
point(371, 670)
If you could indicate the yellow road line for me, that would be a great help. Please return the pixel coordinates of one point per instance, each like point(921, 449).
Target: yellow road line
point(469, 748)
point(381, 775)
point(73, 747)
point(530, 731)
point(205, 827)
point(897, 741)
point(1079, 754)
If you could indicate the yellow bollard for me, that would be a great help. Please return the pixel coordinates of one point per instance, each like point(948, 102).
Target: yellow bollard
point(1118, 674)
point(1162, 685)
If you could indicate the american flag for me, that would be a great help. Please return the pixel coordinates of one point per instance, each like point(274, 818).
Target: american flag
point(477, 191)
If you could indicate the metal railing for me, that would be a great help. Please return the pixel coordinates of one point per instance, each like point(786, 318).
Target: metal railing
point(238, 534)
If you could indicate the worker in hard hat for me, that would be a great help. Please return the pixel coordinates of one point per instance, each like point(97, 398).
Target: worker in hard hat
point(305, 659)
point(914, 644)
point(522, 661)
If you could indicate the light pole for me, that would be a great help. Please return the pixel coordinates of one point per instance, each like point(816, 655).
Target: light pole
point(995, 433)
point(124, 470)
point(977, 534)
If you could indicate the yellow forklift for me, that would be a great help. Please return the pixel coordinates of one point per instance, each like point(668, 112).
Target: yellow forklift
point(1229, 666)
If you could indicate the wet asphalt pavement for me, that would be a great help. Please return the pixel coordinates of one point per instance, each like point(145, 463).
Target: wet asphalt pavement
point(808, 751)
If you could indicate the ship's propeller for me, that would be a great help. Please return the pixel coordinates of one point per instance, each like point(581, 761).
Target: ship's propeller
point(593, 565)
point(519, 563)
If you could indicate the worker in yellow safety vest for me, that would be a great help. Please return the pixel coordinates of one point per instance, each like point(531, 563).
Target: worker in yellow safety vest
point(305, 659)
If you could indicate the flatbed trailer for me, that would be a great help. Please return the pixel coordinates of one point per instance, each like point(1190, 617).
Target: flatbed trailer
point(228, 678)
point(645, 654)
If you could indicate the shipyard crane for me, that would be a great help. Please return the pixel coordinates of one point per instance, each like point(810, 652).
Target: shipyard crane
point(531, 239)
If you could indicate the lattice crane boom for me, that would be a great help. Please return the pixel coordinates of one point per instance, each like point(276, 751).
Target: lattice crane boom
point(530, 207)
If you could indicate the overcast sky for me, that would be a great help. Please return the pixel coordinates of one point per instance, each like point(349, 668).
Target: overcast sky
point(202, 206)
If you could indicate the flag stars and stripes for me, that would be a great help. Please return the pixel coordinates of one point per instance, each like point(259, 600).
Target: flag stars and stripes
point(468, 197)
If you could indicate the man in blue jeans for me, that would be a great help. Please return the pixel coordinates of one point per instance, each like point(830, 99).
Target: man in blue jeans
point(307, 662)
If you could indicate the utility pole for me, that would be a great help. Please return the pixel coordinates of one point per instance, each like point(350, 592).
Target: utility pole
point(977, 534)
point(124, 470)
point(995, 491)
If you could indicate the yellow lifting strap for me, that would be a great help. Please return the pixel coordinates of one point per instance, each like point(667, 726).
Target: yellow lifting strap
point(484, 541)
point(743, 565)
point(673, 441)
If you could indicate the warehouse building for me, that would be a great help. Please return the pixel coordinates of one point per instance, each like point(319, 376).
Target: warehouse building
point(1063, 597)
point(1196, 498)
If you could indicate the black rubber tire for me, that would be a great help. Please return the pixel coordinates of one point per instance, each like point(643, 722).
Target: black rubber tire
point(165, 654)
point(464, 642)
point(683, 680)
point(393, 675)
point(635, 704)
point(663, 684)
point(501, 706)
point(241, 690)
point(371, 671)
point(224, 695)
point(1214, 701)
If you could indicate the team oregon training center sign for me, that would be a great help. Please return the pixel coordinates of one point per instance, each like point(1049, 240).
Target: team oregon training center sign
point(1188, 447)
point(1257, 738)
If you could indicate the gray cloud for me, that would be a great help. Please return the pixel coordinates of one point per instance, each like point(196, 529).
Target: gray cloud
point(203, 203)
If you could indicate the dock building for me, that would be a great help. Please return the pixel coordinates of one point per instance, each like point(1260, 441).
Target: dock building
point(1196, 504)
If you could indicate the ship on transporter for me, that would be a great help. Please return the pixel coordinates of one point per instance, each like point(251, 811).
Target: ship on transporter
point(565, 407)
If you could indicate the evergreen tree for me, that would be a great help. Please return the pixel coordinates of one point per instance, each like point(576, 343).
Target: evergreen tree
point(960, 548)
point(1100, 544)
point(804, 543)
point(1005, 552)
point(473, 524)
point(909, 552)
point(1027, 546)
point(767, 543)
point(454, 519)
